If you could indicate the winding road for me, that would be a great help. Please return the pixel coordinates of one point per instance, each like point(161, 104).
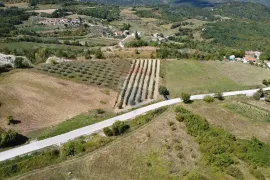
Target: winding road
point(88, 130)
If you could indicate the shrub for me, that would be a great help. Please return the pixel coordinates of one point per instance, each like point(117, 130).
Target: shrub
point(11, 138)
point(10, 120)
point(185, 97)
point(21, 63)
point(180, 117)
point(181, 109)
point(119, 127)
point(196, 176)
point(107, 131)
point(235, 172)
point(100, 111)
point(208, 99)
point(219, 96)
point(258, 95)
point(257, 174)
point(265, 82)
point(72, 148)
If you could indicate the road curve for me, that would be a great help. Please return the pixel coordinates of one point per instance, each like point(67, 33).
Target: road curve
point(57, 140)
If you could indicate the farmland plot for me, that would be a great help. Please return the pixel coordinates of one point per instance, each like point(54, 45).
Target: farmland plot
point(141, 84)
point(110, 74)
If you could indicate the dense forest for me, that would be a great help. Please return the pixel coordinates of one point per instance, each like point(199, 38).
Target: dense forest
point(239, 34)
point(9, 18)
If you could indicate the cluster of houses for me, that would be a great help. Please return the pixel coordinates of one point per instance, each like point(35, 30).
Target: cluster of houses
point(125, 33)
point(158, 37)
point(250, 56)
point(60, 21)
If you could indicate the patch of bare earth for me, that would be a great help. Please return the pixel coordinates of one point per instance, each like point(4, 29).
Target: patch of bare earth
point(159, 150)
point(40, 101)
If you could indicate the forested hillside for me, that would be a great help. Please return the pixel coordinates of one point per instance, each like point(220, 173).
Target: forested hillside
point(198, 3)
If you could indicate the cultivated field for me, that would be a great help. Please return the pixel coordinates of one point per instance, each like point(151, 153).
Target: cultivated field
point(101, 73)
point(141, 84)
point(39, 101)
point(197, 77)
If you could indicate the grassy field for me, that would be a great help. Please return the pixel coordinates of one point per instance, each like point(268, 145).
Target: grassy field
point(196, 77)
point(40, 101)
point(164, 150)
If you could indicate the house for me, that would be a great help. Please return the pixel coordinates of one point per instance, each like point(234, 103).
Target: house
point(119, 33)
point(249, 59)
point(232, 57)
point(255, 54)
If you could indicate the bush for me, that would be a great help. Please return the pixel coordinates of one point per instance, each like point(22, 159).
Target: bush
point(258, 95)
point(119, 127)
point(21, 63)
point(235, 172)
point(107, 131)
point(72, 148)
point(11, 138)
point(163, 91)
point(265, 82)
point(257, 174)
point(196, 176)
point(219, 96)
point(181, 109)
point(100, 111)
point(10, 120)
point(185, 97)
point(208, 99)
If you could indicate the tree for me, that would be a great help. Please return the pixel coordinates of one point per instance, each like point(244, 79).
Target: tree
point(219, 96)
point(185, 97)
point(99, 54)
point(2, 4)
point(208, 99)
point(163, 91)
point(137, 35)
point(258, 95)
point(265, 82)
point(87, 54)
point(20, 63)
point(33, 3)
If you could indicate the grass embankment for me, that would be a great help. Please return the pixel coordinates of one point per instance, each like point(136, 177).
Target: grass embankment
point(76, 122)
point(221, 150)
point(70, 149)
point(197, 77)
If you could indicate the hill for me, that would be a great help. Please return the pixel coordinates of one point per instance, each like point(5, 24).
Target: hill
point(198, 3)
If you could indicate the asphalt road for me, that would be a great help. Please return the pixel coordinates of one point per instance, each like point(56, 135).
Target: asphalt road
point(58, 140)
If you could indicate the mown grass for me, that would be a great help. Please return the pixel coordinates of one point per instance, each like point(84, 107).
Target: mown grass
point(249, 111)
point(196, 77)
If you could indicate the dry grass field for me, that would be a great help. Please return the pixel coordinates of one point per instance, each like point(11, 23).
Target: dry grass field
point(40, 101)
point(161, 149)
point(156, 151)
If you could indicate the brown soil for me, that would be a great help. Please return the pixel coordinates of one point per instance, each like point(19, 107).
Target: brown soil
point(40, 101)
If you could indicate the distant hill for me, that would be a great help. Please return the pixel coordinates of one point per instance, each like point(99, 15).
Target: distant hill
point(198, 3)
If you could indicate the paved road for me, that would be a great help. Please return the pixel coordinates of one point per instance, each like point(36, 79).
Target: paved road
point(57, 140)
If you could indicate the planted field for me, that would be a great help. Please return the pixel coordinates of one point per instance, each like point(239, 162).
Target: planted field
point(141, 84)
point(101, 73)
point(197, 77)
point(39, 101)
